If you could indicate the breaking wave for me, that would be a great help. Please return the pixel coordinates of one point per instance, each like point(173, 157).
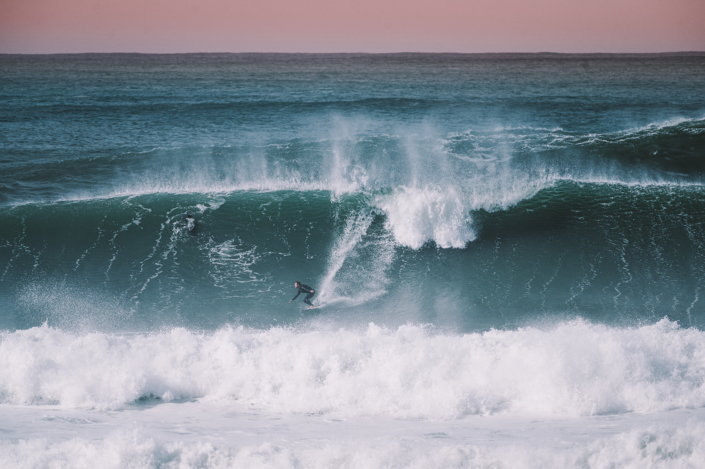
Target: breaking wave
point(569, 369)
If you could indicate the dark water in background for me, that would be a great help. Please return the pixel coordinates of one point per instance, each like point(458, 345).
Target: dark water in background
point(464, 191)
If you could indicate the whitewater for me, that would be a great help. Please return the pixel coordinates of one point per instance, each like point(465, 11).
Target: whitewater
point(508, 251)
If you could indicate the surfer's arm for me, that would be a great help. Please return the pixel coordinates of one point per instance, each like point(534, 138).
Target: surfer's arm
point(297, 295)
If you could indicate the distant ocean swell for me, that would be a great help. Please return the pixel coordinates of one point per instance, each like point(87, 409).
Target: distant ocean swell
point(568, 369)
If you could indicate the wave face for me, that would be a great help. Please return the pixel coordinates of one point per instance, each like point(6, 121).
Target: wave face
point(466, 192)
point(607, 252)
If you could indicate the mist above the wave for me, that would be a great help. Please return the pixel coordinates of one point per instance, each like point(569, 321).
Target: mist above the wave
point(412, 174)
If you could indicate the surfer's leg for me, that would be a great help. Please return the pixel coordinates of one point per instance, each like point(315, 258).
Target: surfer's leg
point(307, 300)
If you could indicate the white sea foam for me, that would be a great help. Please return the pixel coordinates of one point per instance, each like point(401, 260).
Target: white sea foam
point(571, 369)
point(416, 216)
point(231, 263)
point(655, 447)
point(443, 214)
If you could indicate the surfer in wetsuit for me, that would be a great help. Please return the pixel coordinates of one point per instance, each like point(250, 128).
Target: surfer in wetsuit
point(304, 289)
point(190, 221)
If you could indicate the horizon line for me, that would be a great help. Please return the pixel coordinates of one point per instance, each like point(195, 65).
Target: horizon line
point(673, 53)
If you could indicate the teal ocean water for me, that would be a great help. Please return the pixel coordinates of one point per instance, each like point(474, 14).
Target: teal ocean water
point(489, 235)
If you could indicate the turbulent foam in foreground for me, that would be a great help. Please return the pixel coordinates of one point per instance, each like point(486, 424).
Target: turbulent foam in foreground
point(570, 369)
point(658, 448)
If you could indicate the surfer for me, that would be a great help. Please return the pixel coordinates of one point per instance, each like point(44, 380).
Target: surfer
point(190, 222)
point(304, 289)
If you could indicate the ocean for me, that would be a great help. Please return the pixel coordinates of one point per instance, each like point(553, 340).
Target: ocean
point(507, 252)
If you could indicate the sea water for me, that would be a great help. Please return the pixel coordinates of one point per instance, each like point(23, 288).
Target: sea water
point(509, 251)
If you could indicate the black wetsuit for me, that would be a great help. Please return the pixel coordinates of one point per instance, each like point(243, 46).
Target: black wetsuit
point(305, 289)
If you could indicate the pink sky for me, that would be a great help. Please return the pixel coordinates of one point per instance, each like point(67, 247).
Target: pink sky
point(52, 26)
